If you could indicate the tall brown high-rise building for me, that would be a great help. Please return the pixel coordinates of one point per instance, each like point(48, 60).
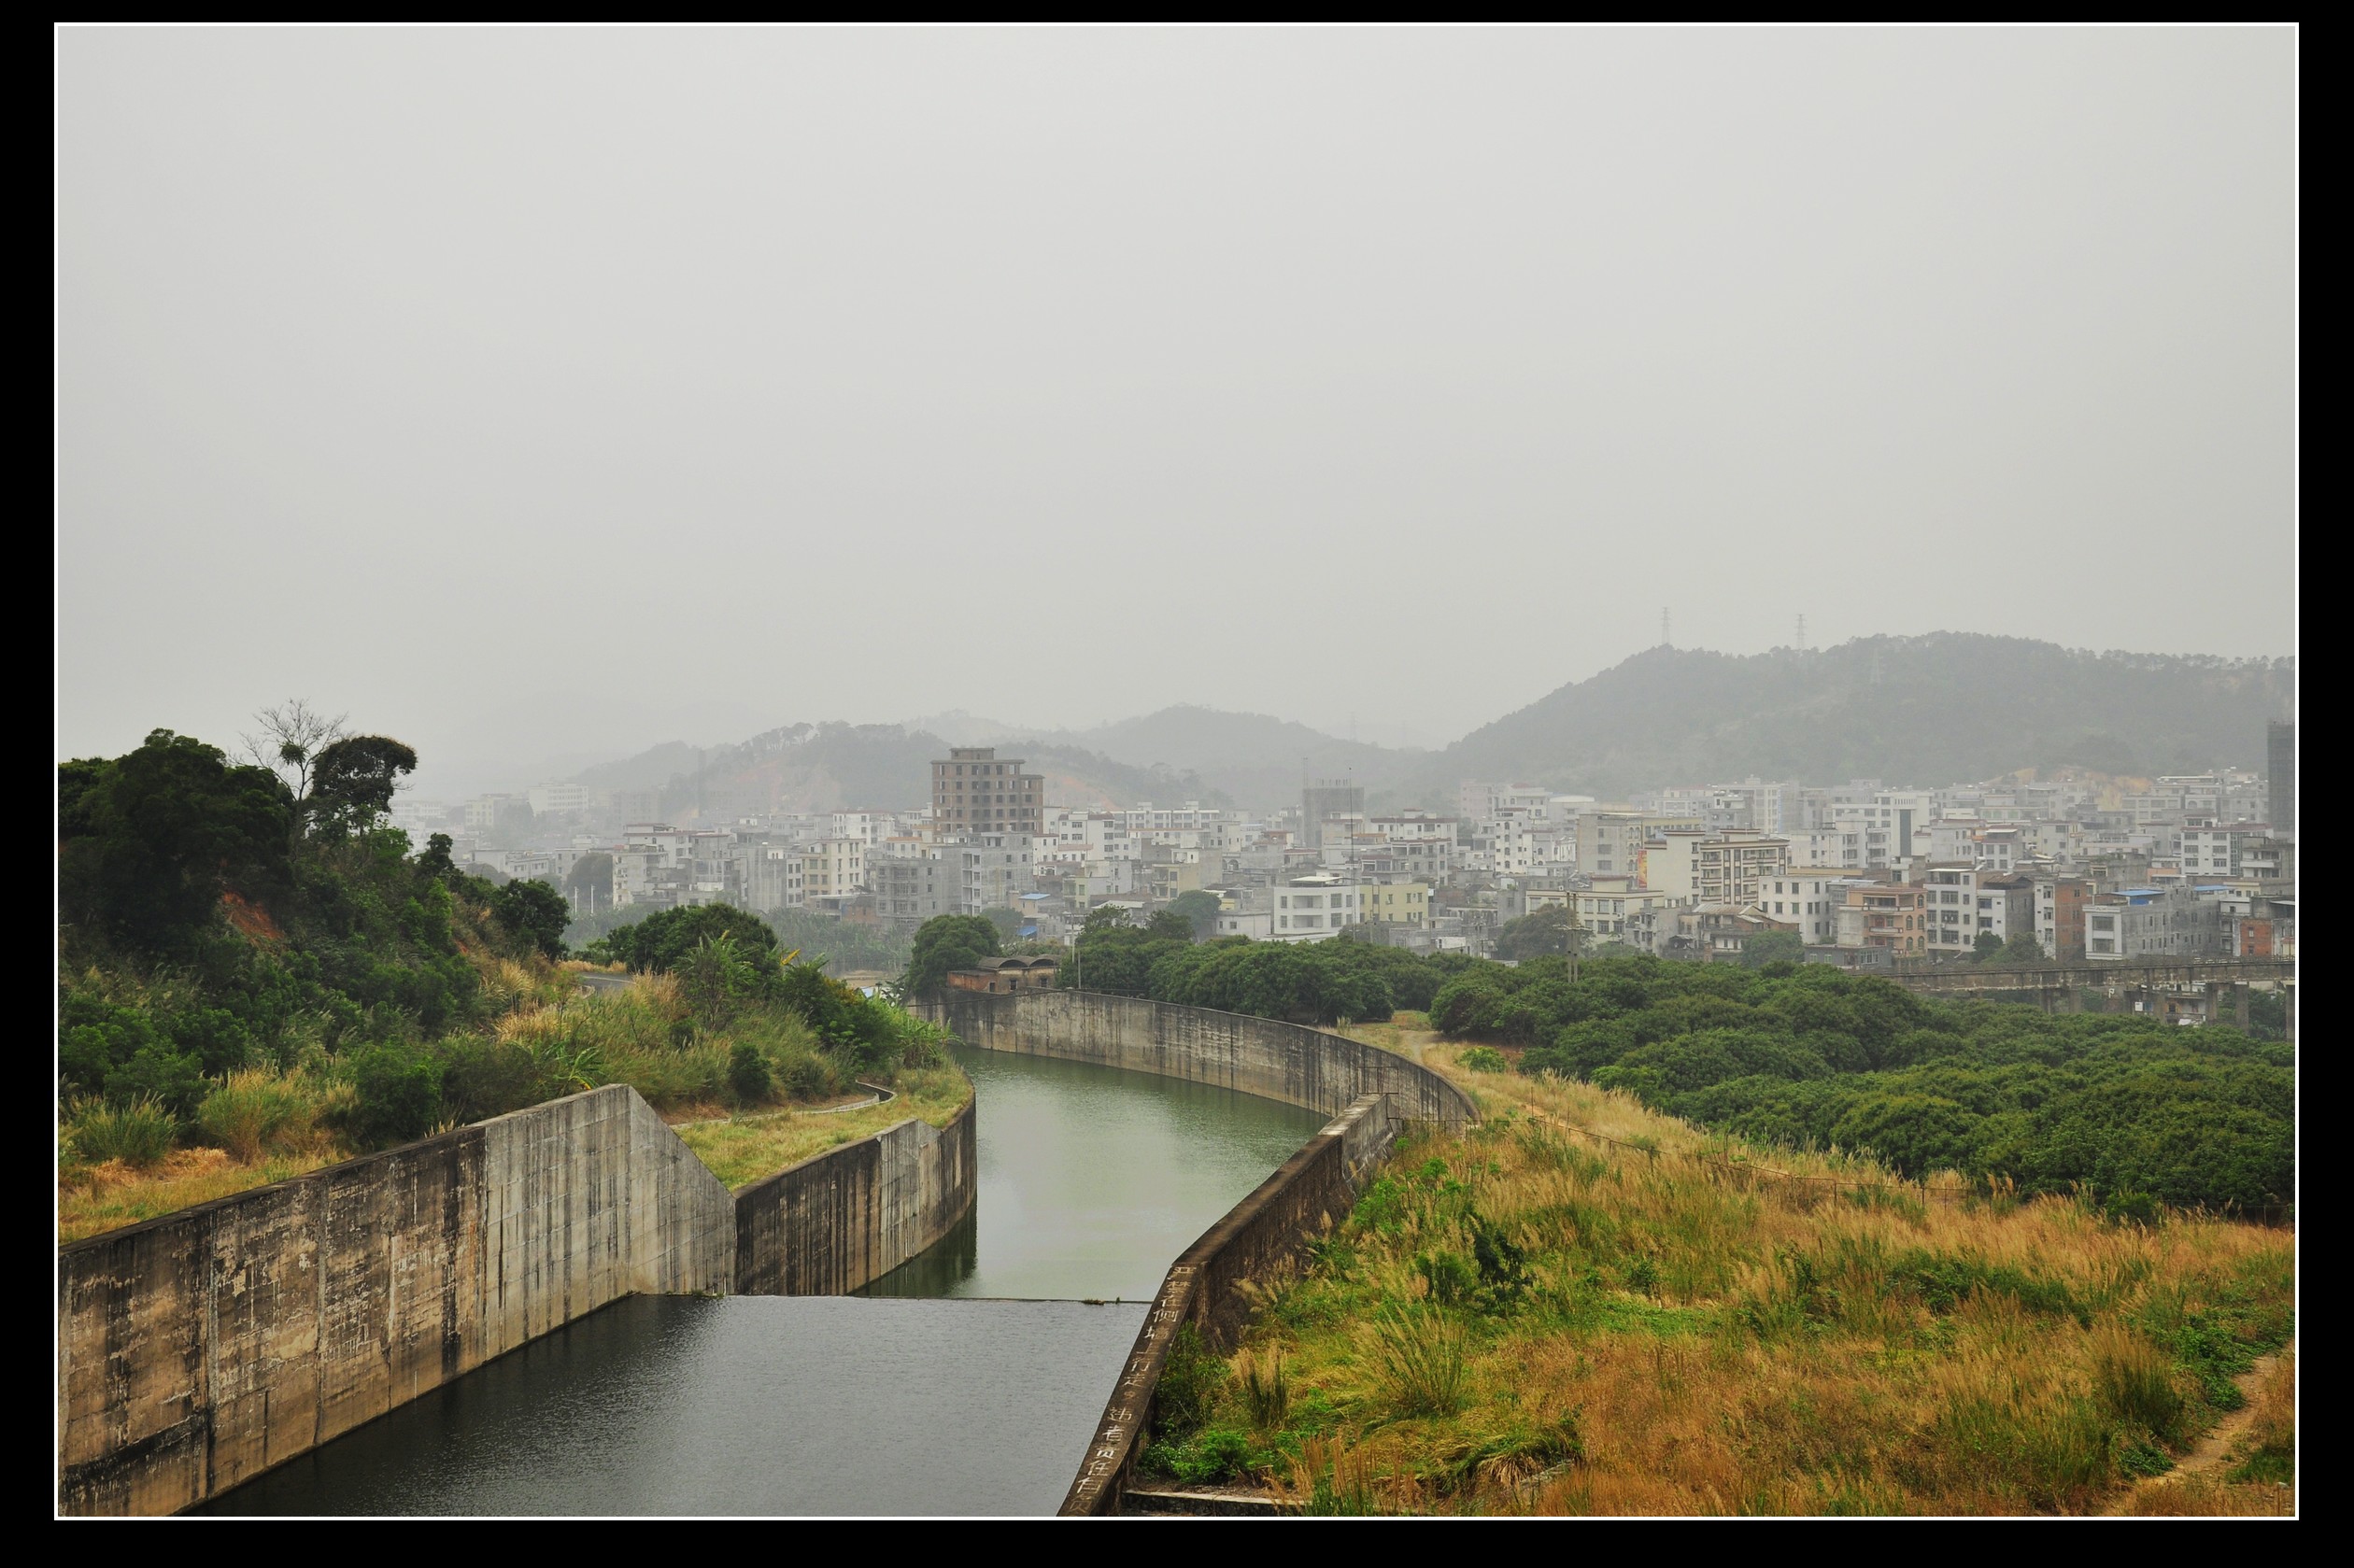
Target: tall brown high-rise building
point(974, 791)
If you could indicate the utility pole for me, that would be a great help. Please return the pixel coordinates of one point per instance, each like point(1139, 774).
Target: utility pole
point(1802, 632)
point(1664, 639)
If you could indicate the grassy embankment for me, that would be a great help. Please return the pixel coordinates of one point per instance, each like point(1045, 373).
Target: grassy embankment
point(753, 1144)
point(1584, 1306)
point(120, 1166)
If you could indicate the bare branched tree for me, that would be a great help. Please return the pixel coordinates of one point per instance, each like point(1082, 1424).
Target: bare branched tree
point(292, 735)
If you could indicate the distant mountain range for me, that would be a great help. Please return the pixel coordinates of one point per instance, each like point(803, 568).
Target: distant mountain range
point(1932, 710)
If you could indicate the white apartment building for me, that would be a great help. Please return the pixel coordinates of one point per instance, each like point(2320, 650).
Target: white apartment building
point(1311, 909)
point(1727, 867)
point(551, 798)
point(832, 868)
point(1805, 898)
point(2242, 849)
point(1842, 847)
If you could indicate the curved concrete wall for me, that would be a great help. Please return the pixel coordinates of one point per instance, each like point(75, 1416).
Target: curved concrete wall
point(197, 1349)
point(1277, 1061)
point(1259, 1239)
point(846, 1218)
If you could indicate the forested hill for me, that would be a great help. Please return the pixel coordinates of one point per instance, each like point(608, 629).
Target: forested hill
point(1932, 709)
point(836, 766)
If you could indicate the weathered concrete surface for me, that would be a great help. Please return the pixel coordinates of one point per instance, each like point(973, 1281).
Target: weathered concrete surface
point(1288, 1062)
point(1260, 1238)
point(846, 1218)
point(195, 1350)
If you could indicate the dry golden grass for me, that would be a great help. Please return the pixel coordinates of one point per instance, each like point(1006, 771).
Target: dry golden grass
point(108, 1196)
point(748, 1147)
point(1689, 1334)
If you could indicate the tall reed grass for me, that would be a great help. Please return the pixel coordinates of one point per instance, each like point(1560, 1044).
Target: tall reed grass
point(1720, 1342)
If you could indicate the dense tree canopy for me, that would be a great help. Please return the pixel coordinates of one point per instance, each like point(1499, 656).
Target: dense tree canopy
point(662, 939)
point(947, 942)
point(151, 840)
point(1809, 1054)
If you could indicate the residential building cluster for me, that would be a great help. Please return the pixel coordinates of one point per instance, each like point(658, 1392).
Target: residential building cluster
point(1865, 873)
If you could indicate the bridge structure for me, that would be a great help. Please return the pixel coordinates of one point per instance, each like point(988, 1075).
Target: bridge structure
point(2187, 989)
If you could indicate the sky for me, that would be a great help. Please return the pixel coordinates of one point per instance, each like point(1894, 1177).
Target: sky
point(538, 395)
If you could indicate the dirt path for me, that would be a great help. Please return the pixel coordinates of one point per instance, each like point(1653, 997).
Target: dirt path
point(2209, 1453)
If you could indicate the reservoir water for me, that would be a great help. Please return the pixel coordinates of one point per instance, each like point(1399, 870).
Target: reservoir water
point(966, 1382)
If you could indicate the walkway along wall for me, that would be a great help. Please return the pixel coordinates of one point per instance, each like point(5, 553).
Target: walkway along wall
point(1277, 1061)
point(842, 1219)
point(197, 1349)
point(1261, 1238)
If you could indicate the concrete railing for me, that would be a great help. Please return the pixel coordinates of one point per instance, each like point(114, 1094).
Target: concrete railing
point(1260, 1239)
point(844, 1219)
point(198, 1350)
point(1288, 1062)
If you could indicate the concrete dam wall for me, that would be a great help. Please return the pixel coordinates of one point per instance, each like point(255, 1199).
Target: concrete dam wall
point(1260, 1238)
point(1277, 1061)
point(843, 1219)
point(198, 1350)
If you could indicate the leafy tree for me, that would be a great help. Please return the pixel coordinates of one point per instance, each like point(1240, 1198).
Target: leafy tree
point(535, 911)
point(157, 836)
point(1548, 931)
point(946, 942)
point(1986, 946)
point(589, 882)
point(718, 981)
point(1201, 911)
point(2022, 950)
point(352, 781)
point(1773, 947)
point(436, 861)
point(661, 939)
point(1170, 925)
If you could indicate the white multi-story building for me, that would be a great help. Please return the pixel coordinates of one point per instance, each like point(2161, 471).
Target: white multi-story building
point(1311, 909)
point(547, 799)
point(1726, 867)
point(1807, 899)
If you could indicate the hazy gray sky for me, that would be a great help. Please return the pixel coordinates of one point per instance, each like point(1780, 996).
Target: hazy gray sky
point(545, 393)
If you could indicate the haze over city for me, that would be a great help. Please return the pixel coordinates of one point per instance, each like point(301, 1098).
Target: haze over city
point(990, 771)
point(540, 396)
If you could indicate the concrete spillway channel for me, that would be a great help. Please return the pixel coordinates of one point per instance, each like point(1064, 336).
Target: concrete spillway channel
point(967, 1381)
point(618, 1335)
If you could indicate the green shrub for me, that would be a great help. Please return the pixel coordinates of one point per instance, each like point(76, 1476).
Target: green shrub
point(748, 1074)
point(807, 1074)
point(253, 1110)
point(1484, 1058)
point(484, 1078)
point(399, 1095)
point(1189, 1384)
point(138, 1132)
point(175, 1080)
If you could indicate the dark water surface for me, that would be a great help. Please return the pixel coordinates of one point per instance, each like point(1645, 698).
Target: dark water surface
point(1092, 1181)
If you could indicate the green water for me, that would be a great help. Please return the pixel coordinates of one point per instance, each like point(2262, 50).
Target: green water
point(1092, 1181)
